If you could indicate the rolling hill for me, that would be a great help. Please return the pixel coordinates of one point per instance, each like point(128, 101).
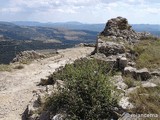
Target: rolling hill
point(152, 28)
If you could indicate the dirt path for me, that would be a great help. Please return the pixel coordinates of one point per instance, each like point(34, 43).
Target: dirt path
point(17, 86)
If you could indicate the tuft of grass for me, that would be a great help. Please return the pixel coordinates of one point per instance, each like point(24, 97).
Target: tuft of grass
point(87, 94)
point(131, 82)
point(146, 100)
point(4, 67)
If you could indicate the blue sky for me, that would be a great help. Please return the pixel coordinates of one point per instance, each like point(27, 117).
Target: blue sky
point(85, 11)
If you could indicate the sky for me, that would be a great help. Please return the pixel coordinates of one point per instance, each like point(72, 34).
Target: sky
point(85, 11)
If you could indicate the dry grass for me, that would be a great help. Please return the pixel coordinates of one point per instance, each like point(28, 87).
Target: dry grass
point(4, 67)
point(131, 82)
point(148, 52)
point(146, 100)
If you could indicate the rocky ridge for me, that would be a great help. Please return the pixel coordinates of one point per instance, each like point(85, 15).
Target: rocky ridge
point(119, 29)
point(28, 55)
point(115, 54)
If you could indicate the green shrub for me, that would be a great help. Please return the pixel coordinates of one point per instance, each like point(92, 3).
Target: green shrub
point(88, 93)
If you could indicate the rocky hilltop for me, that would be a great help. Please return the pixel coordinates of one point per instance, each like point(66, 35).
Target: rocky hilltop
point(119, 79)
point(119, 29)
point(123, 51)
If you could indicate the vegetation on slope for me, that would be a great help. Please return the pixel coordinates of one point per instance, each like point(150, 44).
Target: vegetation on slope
point(4, 67)
point(87, 94)
point(148, 53)
point(146, 100)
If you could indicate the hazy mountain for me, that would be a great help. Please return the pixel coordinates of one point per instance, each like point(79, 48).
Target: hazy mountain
point(16, 32)
point(68, 25)
point(153, 28)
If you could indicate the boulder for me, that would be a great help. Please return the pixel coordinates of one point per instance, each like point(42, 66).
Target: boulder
point(131, 71)
point(149, 84)
point(58, 117)
point(119, 82)
point(125, 104)
point(122, 62)
point(143, 74)
point(110, 48)
point(127, 116)
point(155, 73)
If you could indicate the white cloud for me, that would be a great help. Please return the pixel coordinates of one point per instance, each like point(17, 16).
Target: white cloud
point(13, 9)
point(153, 10)
point(79, 10)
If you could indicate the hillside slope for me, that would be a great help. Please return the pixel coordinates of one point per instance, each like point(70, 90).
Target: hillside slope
point(14, 32)
point(16, 87)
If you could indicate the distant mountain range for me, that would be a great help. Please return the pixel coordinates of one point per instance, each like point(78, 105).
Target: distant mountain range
point(152, 28)
point(32, 31)
point(24, 30)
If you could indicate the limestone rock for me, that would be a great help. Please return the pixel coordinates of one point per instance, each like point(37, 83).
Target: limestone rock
point(155, 73)
point(118, 28)
point(143, 74)
point(122, 62)
point(85, 45)
point(126, 116)
point(110, 48)
point(118, 82)
point(149, 84)
point(125, 104)
point(27, 55)
point(130, 71)
point(58, 117)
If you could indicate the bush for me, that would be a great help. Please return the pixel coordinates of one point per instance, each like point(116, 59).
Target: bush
point(87, 94)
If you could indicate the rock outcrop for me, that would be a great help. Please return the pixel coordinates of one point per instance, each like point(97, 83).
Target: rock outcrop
point(110, 48)
point(27, 55)
point(119, 29)
point(141, 74)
